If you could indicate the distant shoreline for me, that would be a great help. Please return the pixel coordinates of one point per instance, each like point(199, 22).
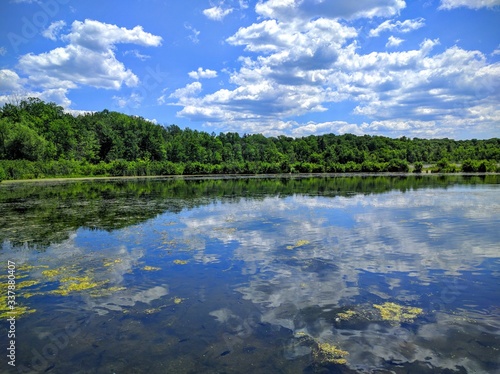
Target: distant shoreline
point(239, 176)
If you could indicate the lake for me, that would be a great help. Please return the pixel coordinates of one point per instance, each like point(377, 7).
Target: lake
point(293, 274)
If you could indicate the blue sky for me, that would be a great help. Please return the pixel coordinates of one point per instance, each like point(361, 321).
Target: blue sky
point(427, 69)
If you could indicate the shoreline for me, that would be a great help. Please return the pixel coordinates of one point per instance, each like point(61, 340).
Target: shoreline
point(238, 176)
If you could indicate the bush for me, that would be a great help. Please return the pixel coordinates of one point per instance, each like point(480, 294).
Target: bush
point(352, 167)
point(418, 167)
point(469, 166)
point(3, 174)
point(396, 165)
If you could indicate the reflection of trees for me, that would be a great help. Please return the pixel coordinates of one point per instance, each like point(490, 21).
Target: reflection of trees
point(44, 213)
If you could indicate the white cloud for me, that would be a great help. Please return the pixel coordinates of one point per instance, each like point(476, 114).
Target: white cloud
point(194, 33)
point(134, 100)
point(98, 36)
point(309, 9)
point(187, 91)
point(393, 41)
point(200, 74)
point(217, 13)
point(136, 53)
point(296, 67)
point(398, 26)
point(473, 4)
point(9, 81)
point(52, 32)
point(336, 127)
point(3, 51)
point(88, 58)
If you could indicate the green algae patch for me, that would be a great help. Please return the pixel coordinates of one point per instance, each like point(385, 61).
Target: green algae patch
point(106, 291)
point(76, 284)
point(108, 263)
point(322, 352)
point(329, 353)
point(150, 268)
point(299, 243)
point(53, 273)
point(18, 309)
point(180, 262)
point(347, 315)
point(397, 313)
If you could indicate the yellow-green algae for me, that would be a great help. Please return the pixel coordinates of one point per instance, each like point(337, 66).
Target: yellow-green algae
point(299, 243)
point(178, 300)
point(108, 263)
point(397, 313)
point(71, 281)
point(347, 315)
point(324, 352)
point(150, 268)
point(18, 309)
point(180, 262)
point(328, 353)
point(106, 291)
point(75, 284)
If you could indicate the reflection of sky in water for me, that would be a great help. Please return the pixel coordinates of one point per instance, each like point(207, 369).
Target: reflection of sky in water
point(424, 248)
point(300, 258)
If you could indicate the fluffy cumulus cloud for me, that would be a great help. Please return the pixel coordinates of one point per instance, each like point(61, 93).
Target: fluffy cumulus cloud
point(9, 81)
point(52, 32)
point(303, 57)
point(393, 41)
point(87, 59)
point(398, 26)
point(309, 9)
point(217, 12)
point(201, 74)
point(473, 4)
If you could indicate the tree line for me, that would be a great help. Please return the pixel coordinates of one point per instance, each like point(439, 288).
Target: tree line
point(39, 139)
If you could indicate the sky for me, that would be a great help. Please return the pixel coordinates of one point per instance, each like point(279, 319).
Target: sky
point(423, 68)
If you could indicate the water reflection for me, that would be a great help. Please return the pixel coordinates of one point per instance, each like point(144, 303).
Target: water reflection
point(257, 275)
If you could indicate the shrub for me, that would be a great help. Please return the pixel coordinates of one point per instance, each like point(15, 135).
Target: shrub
point(418, 167)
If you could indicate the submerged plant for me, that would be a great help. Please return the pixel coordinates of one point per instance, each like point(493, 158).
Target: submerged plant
point(180, 262)
point(74, 284)
point(150, 268)
point(397, 313)
point(298, 243)
point(328, 353)
point(347, 315)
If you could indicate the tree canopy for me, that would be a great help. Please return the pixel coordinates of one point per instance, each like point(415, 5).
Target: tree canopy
point(42, 132)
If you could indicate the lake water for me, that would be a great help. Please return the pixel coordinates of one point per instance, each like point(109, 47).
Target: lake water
point(357, 274)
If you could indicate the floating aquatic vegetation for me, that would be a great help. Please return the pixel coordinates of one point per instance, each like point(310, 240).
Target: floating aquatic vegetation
point(17, 309)
point(106, 291)
point(75, 284)
point(180, 262)
point(53, 273)
point(298, 243)
point(150, 268)
point(347, 315)
point(328, 353)
point(153, 310)
point(397, 313)
point(108, 263)
point(323, 353)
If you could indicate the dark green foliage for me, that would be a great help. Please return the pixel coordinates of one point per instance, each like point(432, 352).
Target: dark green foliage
point(418, 167)
point(39, 140)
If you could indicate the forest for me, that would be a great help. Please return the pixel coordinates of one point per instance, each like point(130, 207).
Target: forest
point(41, 140)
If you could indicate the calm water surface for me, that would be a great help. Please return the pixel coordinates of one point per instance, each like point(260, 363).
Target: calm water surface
point(357, 274)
